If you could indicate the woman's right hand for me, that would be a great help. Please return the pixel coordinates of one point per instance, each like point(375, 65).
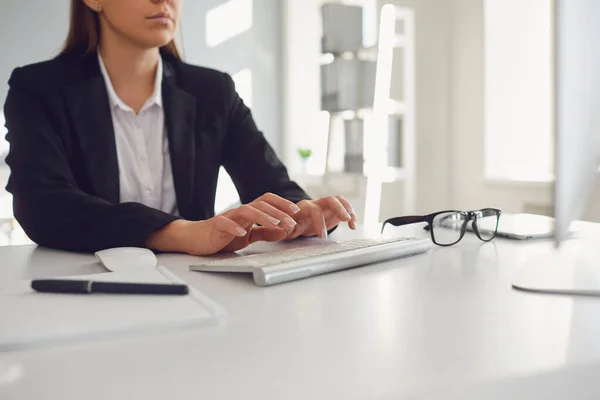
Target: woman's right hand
point(233, 230)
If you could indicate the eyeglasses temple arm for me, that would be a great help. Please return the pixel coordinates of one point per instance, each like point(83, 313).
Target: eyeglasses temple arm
point(399, 221)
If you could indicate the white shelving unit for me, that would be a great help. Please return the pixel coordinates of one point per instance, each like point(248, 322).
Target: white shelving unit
point(396, 35)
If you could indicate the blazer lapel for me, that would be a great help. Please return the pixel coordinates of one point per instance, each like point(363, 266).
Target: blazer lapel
point(180, 120)
point(88, 105)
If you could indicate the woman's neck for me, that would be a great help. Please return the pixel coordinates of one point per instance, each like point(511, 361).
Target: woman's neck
point(132, 70)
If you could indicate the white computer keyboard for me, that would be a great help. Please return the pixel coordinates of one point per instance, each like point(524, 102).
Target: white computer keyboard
point(285, 265)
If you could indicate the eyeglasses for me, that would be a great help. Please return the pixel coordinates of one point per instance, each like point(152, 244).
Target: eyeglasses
point(449, 227)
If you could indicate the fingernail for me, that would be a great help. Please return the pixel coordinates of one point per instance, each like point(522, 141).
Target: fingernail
point(295, 209)
point(274, 221)
point(348, 216)
point(291, 223)
point(241, 231)
point(353, 225)
point(324, 233)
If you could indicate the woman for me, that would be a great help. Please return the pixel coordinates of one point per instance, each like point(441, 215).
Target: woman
point(117, 142)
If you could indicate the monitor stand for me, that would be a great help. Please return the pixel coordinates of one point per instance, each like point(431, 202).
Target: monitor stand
point(560, 272)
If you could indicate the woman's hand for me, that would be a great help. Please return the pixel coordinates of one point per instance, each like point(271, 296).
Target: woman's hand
point(317, 217)
point(233, 230)
point(274, 215)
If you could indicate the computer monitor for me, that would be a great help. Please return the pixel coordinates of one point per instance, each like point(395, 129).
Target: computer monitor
point(576, 107)
point(572, 269)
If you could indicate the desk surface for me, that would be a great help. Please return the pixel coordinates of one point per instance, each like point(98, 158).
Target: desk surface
point(407, 327)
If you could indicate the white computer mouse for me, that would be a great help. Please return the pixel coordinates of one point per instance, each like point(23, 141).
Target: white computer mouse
point(122, 259)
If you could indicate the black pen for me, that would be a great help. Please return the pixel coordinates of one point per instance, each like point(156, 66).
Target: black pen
point(87, 287)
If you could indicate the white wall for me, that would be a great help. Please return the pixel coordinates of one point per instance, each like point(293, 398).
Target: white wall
point(433, 22)
point(257, 49)
point(30, 31)
point(301, 76)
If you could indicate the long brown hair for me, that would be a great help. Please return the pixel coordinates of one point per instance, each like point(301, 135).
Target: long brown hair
point(84, 33)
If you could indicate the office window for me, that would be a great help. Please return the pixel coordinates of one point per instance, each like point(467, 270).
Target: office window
point(227, 21)
point(518, 137)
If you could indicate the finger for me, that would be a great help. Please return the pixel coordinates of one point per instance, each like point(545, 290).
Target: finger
point(300, 229)
point(333, 204)
point(264, 234)
point(288, 222)
point(317, 218)
point(279, 202)
point(225, 225)
point(350, 209)
point(254, 216)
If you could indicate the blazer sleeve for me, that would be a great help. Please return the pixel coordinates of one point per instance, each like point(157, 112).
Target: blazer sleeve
point(47, 202)
point(249, 159)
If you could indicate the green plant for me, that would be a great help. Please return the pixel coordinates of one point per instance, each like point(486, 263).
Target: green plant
point(305, 153)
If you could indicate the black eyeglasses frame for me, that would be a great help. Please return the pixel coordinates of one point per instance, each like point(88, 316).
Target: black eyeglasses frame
point(429, 218)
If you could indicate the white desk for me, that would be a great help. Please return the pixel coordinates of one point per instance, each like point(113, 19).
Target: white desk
point(407, 327)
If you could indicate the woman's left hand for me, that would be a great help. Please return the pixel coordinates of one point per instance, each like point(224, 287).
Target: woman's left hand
point(316, 217)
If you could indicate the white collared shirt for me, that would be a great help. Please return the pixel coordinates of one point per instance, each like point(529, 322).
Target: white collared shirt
point(145, 173)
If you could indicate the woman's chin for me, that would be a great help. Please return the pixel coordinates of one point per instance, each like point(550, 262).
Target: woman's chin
point(157, 41)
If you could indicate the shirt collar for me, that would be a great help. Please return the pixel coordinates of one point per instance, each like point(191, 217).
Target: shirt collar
point(115, 101)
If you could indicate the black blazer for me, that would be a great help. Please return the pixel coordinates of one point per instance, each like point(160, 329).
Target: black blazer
point(64, 169)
